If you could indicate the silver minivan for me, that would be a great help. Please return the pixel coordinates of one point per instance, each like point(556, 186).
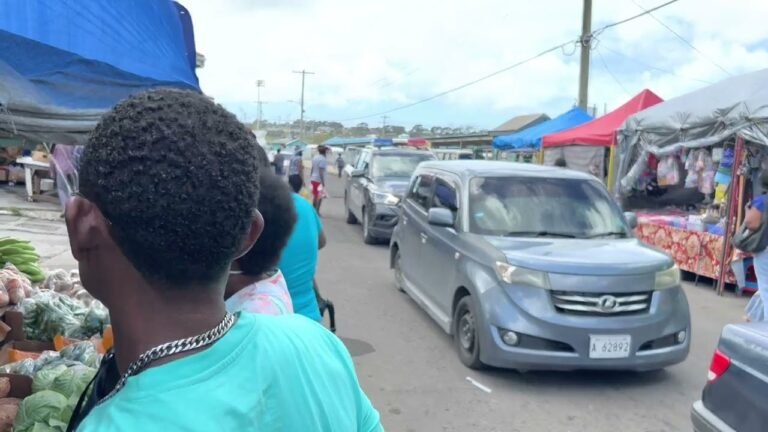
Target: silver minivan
point(532, 267)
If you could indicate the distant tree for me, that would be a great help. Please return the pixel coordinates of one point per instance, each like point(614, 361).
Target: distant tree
point(395, 130)
point(360, 130)
point(418, 131)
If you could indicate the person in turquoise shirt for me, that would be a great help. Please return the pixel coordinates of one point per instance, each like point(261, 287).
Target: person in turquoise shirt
point(169, 183)
point(299, 261)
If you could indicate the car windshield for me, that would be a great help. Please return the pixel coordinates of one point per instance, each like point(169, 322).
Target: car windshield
point(397, 165)
point(543, 207)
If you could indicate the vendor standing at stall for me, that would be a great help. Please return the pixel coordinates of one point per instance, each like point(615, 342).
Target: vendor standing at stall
point(757, 309)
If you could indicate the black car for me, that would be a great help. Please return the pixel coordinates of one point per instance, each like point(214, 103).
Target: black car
point(736, 393)
point(374, 187)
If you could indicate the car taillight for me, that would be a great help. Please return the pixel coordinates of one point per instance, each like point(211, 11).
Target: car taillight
point(720, 364)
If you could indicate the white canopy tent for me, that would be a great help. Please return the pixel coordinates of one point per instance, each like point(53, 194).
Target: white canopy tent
point(735, 106)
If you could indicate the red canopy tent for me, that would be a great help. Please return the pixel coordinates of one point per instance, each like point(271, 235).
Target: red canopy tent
point(418, 142)
point(602, 130)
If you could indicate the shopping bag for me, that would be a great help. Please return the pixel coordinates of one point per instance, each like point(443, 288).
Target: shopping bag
point(752, 241)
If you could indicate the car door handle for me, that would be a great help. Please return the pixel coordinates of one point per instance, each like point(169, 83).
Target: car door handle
point(424, 238)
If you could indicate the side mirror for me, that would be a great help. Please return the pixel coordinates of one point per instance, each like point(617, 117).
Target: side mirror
point(357, 173)
point(440, 217)
point(631, 218)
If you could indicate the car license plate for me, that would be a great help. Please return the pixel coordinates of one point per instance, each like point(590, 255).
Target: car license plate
point(608, 347)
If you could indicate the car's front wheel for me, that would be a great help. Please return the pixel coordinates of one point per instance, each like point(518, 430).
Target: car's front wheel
point(351, 219)
point(368, 238)
point(465, 335)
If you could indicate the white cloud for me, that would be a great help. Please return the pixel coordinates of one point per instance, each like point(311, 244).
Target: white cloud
point(375, 55)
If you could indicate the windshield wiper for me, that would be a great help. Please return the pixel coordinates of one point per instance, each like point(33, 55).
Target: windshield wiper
point(539, 234)
point(607, 233)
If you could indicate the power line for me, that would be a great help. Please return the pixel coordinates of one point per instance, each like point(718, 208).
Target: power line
point(652, 67)
point(607, 69)
point(462, 86)
point(634, 17)
point(508, 68)
point(684, 40)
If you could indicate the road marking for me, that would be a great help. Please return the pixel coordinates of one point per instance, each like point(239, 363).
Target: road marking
point(478, 385)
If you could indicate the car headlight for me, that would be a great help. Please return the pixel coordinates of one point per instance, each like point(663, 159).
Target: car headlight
point(523, 276)
point(384, 198)
point(669, 278)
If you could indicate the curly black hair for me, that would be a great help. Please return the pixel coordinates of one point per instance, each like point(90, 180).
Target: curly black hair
point(177, 177)
point(276, 206)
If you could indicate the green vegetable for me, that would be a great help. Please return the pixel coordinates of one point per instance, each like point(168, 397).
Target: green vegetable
point(73, 381)
point(41, 412)
point(49, 313)
point(43, 379)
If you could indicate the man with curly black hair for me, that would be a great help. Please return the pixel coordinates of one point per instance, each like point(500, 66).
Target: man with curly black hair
point(169, 186)
point(255, 283)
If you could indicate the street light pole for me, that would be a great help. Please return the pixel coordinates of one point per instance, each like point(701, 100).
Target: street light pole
point(304, 74)
point(586, 45)
point(259, 85)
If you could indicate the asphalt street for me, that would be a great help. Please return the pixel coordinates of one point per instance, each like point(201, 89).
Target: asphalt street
point(408, 367)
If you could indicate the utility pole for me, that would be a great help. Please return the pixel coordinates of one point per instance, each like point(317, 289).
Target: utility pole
point(259, 85)
point(586, 45)
point(304, 74)
point(384, 125)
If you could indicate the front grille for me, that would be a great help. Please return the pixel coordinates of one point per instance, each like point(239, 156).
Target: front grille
point(601, 304)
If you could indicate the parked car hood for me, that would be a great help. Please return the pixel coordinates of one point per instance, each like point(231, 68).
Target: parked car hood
point(394, 185)
point(582, 256)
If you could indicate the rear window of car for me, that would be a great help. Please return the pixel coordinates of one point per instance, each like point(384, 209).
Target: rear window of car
point(398, 164)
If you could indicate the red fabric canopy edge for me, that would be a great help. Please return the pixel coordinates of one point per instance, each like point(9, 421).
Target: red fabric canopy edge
point(602, 130)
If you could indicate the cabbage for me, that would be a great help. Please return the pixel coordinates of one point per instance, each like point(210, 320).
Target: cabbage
point(43, 380)
point(73, 381)
point(41, 412)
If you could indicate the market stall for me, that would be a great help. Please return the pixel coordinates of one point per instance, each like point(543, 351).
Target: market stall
point(58, 75)
point(528, 141)
point(587, 147)
point(56, 82)
point(689, 165)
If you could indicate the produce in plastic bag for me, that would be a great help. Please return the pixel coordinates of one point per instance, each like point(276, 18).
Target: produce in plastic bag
point(24, 367)
point(58, 281)
point(42, 411)
point(49, 313)
point(83, 352)
point(29, 367)
point(73, 381)
point(43, 379)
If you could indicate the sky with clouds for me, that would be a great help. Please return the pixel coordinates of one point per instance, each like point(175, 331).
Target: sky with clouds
point(369, 57)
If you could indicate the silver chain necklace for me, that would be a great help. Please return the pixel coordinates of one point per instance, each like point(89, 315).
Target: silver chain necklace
point(171, 348)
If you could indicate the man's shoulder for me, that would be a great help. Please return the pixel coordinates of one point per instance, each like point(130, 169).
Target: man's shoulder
point(293, 335)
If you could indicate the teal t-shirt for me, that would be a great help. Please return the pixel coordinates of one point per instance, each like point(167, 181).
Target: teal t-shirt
point(299, 259)
point(268, 373)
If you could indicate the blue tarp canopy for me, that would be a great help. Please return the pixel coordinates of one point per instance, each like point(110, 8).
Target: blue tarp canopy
point(530, 139)
point(339, 141)
point(63, 63)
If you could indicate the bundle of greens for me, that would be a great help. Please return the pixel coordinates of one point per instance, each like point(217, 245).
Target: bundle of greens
point(56, 391)
point(48, 313)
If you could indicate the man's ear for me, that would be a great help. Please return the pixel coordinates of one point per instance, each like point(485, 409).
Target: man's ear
point(253, 234)
point(86, 226)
